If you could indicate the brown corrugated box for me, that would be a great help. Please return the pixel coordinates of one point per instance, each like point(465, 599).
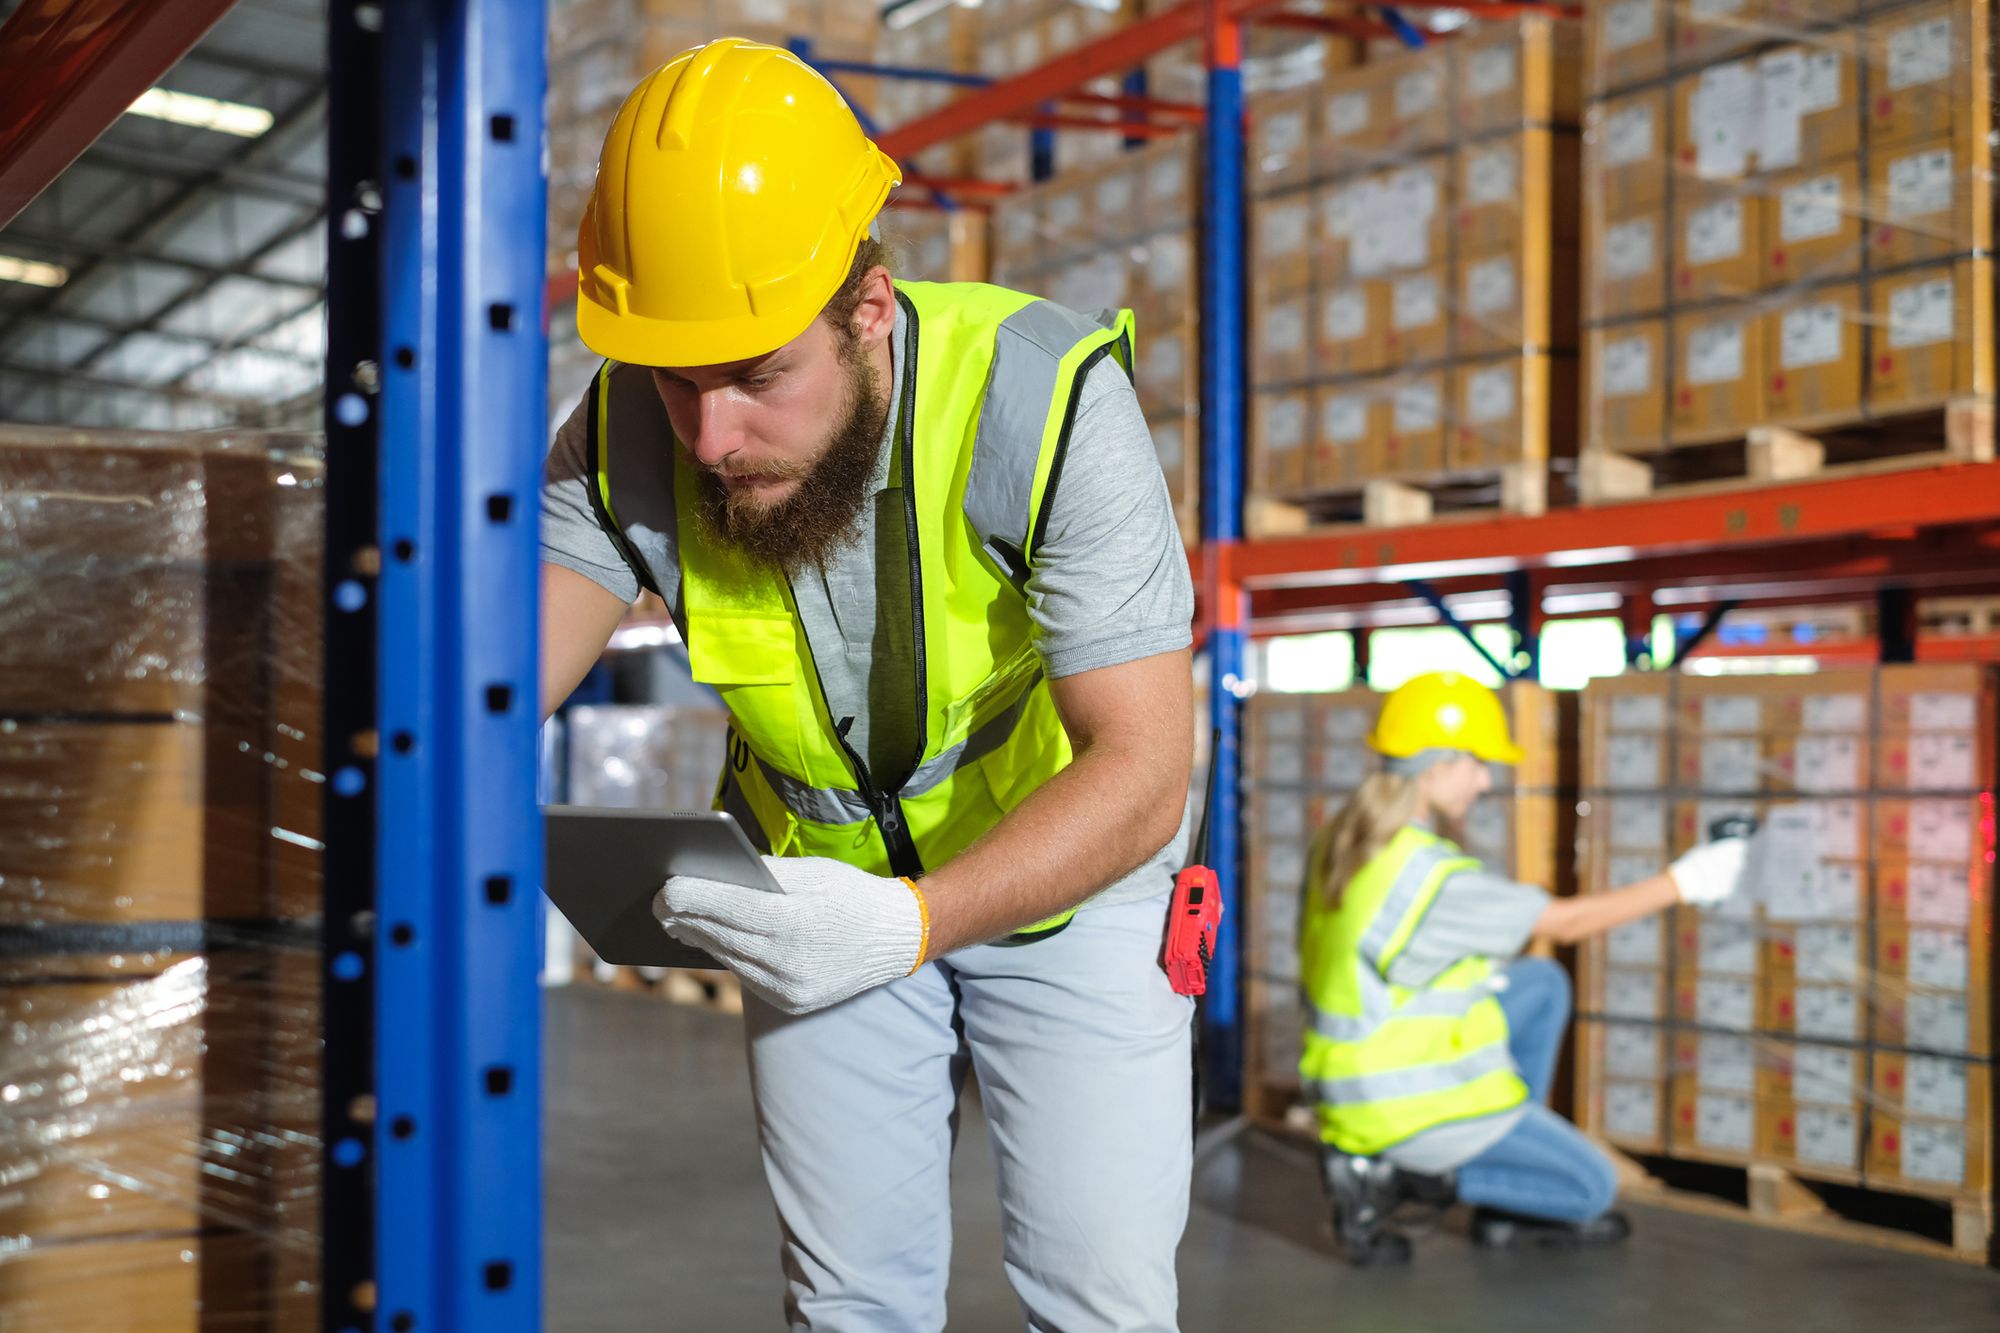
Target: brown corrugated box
point(1411, 442)
point(1707, 29)
point(1626, 143)
point(1281, 233)
point(1824, 1142)
point(1352, 334)
point(1813, 223)
point(1626, 41)
point(1418, 327)
point(1822, 75)
point(1509, 74)
point(1933, 335)
point(1281, 338)
point(1628, 259)
point(1933, 1124)
point(1717, 240)
point(1353, 113)
point(1813, 350)
point(1513, 409)
point(1929, 200)
point(1419, 102)
point(1928, 75)
point(1718, 382)
point(1281, 424)
point(1281, 141)
point(1346, 417)
point(1626, 366)
point(1517, 191)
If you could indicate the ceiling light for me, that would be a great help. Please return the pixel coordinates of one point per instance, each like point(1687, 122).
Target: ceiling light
point(32, 271)
point(900, 14)
point(205, 113)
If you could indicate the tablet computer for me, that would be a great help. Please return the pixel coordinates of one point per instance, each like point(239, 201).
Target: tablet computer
point(605, 867)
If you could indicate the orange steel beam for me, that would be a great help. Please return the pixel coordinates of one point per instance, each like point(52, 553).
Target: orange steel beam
point(1135, 129)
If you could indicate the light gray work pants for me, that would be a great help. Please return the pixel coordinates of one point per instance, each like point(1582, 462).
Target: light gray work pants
point(1082, 1054)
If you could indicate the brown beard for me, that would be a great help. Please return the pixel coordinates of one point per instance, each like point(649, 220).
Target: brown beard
point(820, 514)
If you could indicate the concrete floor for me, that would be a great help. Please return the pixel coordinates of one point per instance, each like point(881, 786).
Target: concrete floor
point(657, 1220)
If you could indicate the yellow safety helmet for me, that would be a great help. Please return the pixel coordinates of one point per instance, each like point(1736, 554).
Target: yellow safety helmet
point(732, 192)
point(1443, 710)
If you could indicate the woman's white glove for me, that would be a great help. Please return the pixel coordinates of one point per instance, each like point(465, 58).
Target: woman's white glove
point(1711, 872)
point(834, 932)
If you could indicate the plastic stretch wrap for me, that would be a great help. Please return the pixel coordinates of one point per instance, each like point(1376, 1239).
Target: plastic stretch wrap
point(1789, 222)
point(1835, 1018)
point(160, 639)
point(1413, 232)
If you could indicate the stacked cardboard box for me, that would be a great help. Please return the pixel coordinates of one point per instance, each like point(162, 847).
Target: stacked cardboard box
point(1305, 755)
point(159, 834)
point(1413, 237)
point(935, 246)
point(1789, 216)
point(944, 40)
point(1835, 1019)
point(1015, 36)
point(1123, 235)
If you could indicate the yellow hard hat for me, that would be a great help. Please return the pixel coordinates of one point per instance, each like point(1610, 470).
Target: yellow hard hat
point(1443, 710)
point(733, 190)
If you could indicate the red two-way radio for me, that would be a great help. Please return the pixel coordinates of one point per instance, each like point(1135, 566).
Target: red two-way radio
point(1196, 913)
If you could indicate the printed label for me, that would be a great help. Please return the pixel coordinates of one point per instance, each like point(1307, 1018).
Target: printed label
point(1725, 1064)
point(1629, 135)
point(1633, 760)
point(1725, 1002)
point(1628, 367)
point(1835, 712)
point(1837, 827)
point(1934, 1087)
point(1939, 1022)
point(1284, 134)
point(1344, 420)
point(1163, 359)
point(1839, 891)
point(1809, 210)
point(1634, 944)
point(1628, 23)
point(1414, 302)
point(1632, 1051)
point(1725, 116)
point(1490, 72)
point(1285, 863)
point(1347, 724)
point(1489, 395)
point(1933, 711)
point(1285, 764)
point(1920, 184)
point(1821, 82)
point(1810, 336)
point(1347, 114)
point(1630, 249)
point(1782, 88)
point(1638, 712)
point(1941, 830)
point(1823, 1074)
point(1827, 763)
point(1281, 230)
point(1285, 422)
point(1632, 994)
point(1826, 1136)
point(1941, 761)
point(1344, 316)
point(1829, 953)
point(1283, 328)
point(1827, 1011)
point(1492, 177)
point(1417, 92)
point(1489, 285)
point(1632, 1110)
point(1341, 209)
point(1922, 313)
point(1920, 53)
point(1934, 1152)
point(1715, 354)
point(1167, 179)
point(1715, 232)
point(1723, 1121)
point(1732, 712)
point(1940, 894)
point(1727, 946)
point(1065, 212)
point(1344, 767)
point(1114, 196)
point(1729, 764)
point(1638, 821)
point(1939, 958)
point(1418, 406)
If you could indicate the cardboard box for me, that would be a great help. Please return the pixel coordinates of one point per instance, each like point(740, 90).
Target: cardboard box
point(1631, 993)
point(1393, 220)
point(1346, 417)
point(1281, 135)
point(1934, 959)
point(1810, 104)
point(1710, 1125)
point(1813, 223)
point(1718, 378)
point(1719, 1001)
point(1354, 324)
point(1626, 140)
point(1933, 335)
point(1165, 373)
point(1281, 336)
point(1717, 119)
point(1717, 241)
point(1628, 264)
point(1412, 442)
point(1625, 367)
point(1517, 192)
point(1509, 74)
point(1815, 1012)
point(1625, 42)
point(1816, 953)
point(1929, 1156)
point(1936, 729)
point(1114, 202)
point(1928, 75)
point(1824, 1142)
point(1353, 113)
point(1419, 100)
point(1513, 299)
point(1516, 409)
point(1932, 1087)
point(1335, 207)
point(1282, 423)
point(1811, 1074)
point(1177, 442)
point(1707, 29)
point(1784, 14)
point(1281, 228)
point(1931, 200)
point(1813, 348)
point(1418, 329)
point(1168, 179)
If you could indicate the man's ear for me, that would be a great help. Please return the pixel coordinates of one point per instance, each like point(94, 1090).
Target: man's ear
point(875, 313)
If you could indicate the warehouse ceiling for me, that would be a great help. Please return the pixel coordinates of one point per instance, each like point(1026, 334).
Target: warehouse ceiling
point(188, 259)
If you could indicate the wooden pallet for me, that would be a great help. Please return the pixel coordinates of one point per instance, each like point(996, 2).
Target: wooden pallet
point(1516, 488)
point(1959, 432)
point(1789, 1199)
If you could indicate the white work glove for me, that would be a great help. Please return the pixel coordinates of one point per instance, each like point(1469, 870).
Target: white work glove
point(1711, 872)
point(834, 932)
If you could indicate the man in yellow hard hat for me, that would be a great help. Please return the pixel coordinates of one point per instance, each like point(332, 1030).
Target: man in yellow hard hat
point(915, 537)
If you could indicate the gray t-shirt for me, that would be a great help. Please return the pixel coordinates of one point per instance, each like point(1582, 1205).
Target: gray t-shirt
point(1109, 583)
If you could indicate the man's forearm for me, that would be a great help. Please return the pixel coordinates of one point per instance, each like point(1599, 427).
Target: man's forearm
point(1089, 825)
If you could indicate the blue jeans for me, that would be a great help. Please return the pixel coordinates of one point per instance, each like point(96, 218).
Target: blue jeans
point(1544, 1166)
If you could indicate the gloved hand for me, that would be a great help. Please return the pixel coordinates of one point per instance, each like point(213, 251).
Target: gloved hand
point(1711, 872)
point(834, 932)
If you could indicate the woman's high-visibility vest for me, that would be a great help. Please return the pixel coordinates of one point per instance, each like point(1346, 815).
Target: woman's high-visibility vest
point(1384, 1062)
point(988, 387)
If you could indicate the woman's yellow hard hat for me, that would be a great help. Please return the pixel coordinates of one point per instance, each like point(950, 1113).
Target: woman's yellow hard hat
point(1443, 710)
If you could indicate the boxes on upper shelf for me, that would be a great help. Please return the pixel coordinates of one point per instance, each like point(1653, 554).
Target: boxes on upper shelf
point(1625, 369)
point(1932, 1123)
point(1933, 335)
point(1813, 346)
point(1929, 73)
point(1625, 42)
point(1718, 383)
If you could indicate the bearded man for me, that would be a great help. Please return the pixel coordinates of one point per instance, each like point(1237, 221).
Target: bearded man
point(915, 537)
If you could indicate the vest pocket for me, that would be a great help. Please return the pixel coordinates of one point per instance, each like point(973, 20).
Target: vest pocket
point(727, 649)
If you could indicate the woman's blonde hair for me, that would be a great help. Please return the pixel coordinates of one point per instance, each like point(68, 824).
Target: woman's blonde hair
point(1375, 813)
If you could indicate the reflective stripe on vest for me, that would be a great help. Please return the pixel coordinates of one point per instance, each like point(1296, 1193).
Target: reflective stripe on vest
point(1419, 1081)
point(1424, 1004)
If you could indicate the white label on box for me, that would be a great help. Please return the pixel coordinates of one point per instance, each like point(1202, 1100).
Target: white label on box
point(1282, 135)
point(1347, 114)
point(1283, 328)
point(1065, 212)
point(1936, 711)
point(1920, 53)
point(1285, 863)
point(1163, 360)
point(1414, 302)
point(1725, 1064)
point(1836, 827)
point(1824, 1074)
point(1940, 894)
point(1630, 249)
point(1732, 712)
point(1632, 1051)
point(1634, 944)
point(1725, 112)
point(1715, 232)
point(1922, 313)
point(1343, 419)
point(1725, 1002)
point(1935, 1087)
point(1629, 868)
point(1941, 830)
point(1632, 994)
point(1627, 23)
point(1632, 1110)
point(1343, 317)
point(1787, 885)
point(1836, 712)
point(1726, 946)
point(1417, 92)
point(1829, 953)
point(1281, 228)
point(1167, 260)
point(1822, 81)
point(1827, 763)
point(1809, 210)
point(1489, 395)
point(1723, 1121)
point(1782, 78)
point(1347, 724)
point(1941, 761)
point(1827, 1011)
point(1633, 760)
point(1934, 1152)
point(1839, 891)
point(1638, 821)
point(1344, 767)
point(1710, 10)
point(1167, 179)
point(1492, 176)
point(1341, 209)
point(1114, 197)
point(1825, 1136)
point(1628, 367)
point(1412, 197)
point(1920, 184)
point(1489, 285)
point(1286, 421)
point(1939, 1022)
point(1729, 763)
point(1170, 443)
point(1939, 958)
point(1638, 712)
point(1419, 406)
point(1285, 764)
point(1490, 72)
point(1715, 354)
point(1810, 336)
point(1629, 135)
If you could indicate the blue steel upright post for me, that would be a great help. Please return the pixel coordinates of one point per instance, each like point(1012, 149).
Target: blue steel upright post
point(1222, 417)
point(456, 1148)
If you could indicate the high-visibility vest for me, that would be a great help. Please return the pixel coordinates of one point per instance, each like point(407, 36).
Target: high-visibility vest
point(1384, 1062)
point(988, 387)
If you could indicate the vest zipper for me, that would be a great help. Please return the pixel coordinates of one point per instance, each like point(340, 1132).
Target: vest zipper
point(887, 808)
point(906, 442)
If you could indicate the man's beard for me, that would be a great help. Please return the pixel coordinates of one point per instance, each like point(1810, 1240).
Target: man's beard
point(821, 513)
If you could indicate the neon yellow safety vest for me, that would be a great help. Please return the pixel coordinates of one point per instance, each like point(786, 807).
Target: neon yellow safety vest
point(988, 390)
point(1385, 1062)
